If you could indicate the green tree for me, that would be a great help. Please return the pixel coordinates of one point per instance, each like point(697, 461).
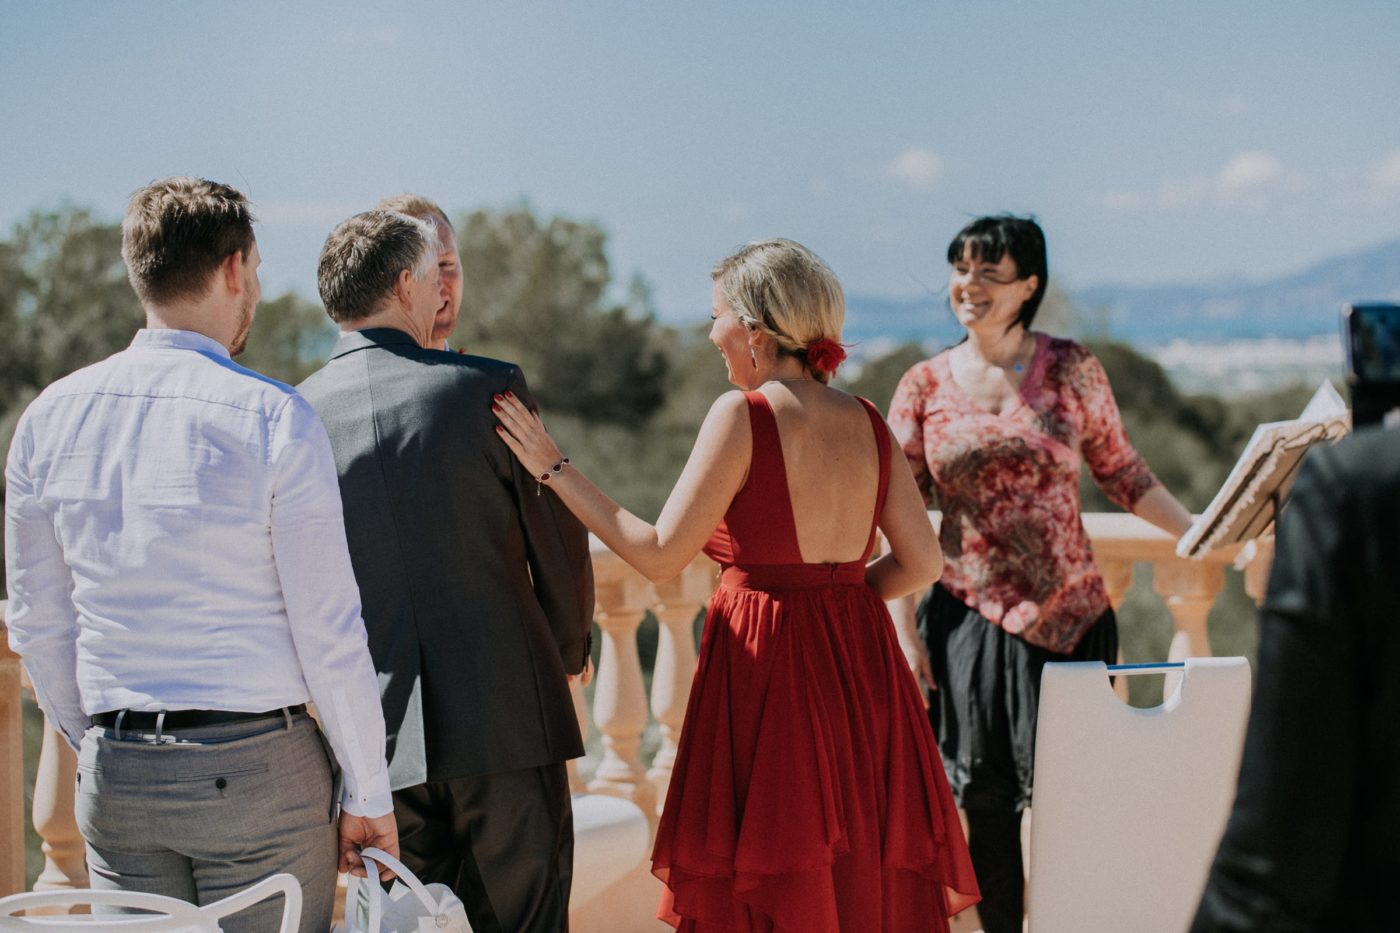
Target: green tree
point(536, 293)
point(877, 378)
point(290, 339)
point(64, 299)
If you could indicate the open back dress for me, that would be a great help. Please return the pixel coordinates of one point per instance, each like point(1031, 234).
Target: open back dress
point(807, 793)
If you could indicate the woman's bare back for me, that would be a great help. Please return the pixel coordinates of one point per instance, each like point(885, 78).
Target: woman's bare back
point(833, 468)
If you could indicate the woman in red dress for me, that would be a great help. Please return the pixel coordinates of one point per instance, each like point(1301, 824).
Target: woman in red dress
point(807, 794)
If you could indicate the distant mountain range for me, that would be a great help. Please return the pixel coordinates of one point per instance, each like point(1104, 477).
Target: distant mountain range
point(1304, 304)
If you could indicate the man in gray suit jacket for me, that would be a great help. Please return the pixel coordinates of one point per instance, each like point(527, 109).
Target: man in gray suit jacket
point(476, 585)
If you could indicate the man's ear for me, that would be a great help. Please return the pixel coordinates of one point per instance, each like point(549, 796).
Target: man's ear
point(402, 286)
point(230, 272)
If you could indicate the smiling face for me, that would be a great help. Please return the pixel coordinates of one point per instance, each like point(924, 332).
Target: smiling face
point(987, 295)
point(732, 339)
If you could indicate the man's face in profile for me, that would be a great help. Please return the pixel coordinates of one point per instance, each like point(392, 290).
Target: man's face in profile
point(450, 290)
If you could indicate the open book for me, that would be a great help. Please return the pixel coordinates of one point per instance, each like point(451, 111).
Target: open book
point(1247, 503)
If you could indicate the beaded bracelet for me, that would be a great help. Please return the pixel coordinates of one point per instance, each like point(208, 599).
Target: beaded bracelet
point(544, 477)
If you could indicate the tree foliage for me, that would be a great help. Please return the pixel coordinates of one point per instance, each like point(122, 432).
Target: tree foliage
point(290, 339)
point(878, 378)
point(64, 299)
point(535, 292)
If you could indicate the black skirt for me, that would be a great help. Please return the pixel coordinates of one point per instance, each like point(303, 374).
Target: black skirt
point(984, 710)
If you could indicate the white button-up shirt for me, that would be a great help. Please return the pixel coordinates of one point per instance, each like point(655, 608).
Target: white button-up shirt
point(174, 540)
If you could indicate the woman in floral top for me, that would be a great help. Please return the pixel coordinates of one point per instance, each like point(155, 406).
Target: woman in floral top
point(994, 429)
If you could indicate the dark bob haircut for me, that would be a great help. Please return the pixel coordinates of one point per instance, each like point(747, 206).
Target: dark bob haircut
point(987, 239)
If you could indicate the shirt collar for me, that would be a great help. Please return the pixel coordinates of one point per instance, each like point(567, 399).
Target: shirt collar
point(350, 341)
point(169, 338)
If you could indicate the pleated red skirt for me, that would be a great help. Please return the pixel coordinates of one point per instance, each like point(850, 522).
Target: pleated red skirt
point(807, 793)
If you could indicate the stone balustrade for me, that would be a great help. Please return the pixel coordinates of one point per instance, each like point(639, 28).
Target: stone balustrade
point(622, 709)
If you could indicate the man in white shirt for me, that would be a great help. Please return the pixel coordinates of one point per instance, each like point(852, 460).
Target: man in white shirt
point(180, 588)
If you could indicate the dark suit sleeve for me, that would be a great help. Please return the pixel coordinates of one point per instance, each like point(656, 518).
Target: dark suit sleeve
point(1280, 861)
point(557, 546)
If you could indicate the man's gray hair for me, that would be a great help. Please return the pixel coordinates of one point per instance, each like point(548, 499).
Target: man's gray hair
point(363, 258)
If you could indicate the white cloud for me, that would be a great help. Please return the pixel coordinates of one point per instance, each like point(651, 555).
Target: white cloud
point(1250, 180)
point(917, 168)
point(1385, 174)
point(1249, 171)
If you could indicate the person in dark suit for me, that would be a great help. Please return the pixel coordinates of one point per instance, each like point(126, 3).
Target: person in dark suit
point(1311, 843)
point(476, 584)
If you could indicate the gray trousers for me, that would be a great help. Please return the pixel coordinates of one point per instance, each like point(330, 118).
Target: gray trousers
point(207, 812)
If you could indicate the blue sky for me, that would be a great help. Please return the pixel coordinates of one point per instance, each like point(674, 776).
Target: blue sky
point(1176, 141)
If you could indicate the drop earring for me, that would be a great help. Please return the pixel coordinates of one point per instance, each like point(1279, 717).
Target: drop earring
point(753, 357)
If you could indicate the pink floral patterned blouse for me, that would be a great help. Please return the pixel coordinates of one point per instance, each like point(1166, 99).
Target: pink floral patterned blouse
point(1008, 484)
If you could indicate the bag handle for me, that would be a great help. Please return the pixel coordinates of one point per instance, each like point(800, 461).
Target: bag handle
point(376, 893)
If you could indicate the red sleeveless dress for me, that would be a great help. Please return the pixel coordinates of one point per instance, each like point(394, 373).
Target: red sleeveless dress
point(807, 794)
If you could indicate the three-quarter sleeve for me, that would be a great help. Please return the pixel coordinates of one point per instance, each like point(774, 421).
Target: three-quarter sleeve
point(907, 424)
point(1116, 466)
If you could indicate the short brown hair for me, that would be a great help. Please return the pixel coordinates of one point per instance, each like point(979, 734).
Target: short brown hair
point(415, 205)
point(177, 231)
point(363, 258)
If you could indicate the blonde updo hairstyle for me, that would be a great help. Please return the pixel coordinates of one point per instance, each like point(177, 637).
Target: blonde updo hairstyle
point(786, 291)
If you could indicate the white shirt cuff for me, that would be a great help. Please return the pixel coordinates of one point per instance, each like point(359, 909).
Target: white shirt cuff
point(371, 798)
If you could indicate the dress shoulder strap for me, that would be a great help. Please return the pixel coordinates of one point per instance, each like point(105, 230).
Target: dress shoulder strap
point(766, 465)
point(761, 418)
point(882, 446)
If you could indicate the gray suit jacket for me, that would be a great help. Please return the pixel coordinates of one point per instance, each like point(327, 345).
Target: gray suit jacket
point(477, 592)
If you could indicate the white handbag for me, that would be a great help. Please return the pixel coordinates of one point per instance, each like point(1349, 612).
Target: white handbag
point(409, 907)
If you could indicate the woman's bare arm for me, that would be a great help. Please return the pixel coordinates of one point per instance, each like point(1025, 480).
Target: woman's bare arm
point(713, 475)
point(1162, 509)
point(914, 559)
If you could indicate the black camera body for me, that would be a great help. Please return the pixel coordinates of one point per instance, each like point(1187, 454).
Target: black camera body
point(1371, 334)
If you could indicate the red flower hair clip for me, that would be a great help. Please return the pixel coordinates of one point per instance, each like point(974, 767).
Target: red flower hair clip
point(824, 355)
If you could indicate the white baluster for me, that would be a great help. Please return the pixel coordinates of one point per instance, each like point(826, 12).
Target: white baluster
point(679, 601)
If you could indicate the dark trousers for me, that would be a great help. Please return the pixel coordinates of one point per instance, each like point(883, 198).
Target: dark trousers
point(984, 715)
point(503, 842)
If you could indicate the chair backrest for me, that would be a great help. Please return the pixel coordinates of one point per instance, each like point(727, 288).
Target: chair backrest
point(166, 914)
point(1130, 803)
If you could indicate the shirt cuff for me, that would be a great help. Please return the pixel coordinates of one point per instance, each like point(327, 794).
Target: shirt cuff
point(370, 798)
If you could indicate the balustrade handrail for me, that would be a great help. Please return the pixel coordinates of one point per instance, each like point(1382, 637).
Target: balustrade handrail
point(621, 709)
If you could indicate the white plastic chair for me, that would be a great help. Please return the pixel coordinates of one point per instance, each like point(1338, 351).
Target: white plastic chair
point(168, 914)
point(1130, 803)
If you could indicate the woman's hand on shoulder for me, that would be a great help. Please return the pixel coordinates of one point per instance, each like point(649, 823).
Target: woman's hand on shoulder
point(524, 433)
